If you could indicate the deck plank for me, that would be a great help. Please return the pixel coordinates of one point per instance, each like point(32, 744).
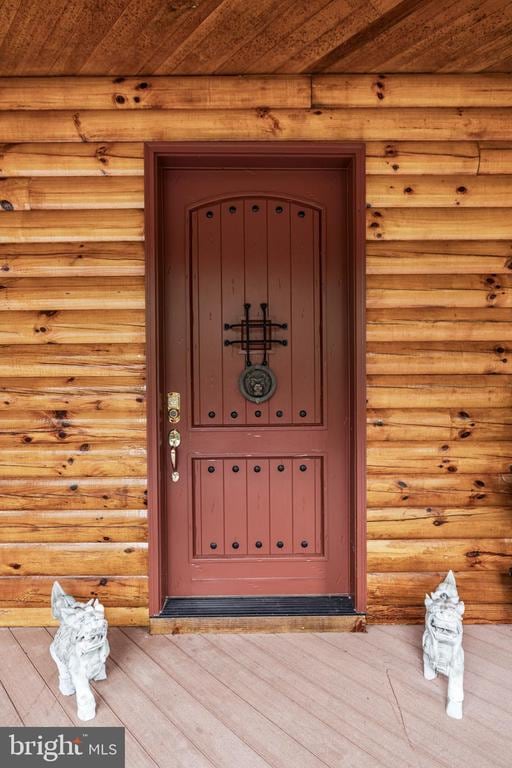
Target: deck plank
point(428, 726)
point(35, 642)
point(491, 713)
point(499, 642)
point(483, 674)
point(188, 714)
point(153, 728)
point(9, 715)
point(260, 701)
point(362, 663)
point(333, 748)
point(368, 719)
point(273, 744)
point(27, 690)
point(503, 630)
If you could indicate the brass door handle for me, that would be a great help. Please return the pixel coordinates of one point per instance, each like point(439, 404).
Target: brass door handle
point(174, 441)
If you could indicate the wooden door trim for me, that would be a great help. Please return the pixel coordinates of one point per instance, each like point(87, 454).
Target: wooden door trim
point(315, 154)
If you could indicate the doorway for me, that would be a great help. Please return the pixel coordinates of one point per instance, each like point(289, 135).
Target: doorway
point(255, 277)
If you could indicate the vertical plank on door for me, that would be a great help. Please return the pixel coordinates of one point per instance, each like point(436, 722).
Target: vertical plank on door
point(256, 281)
point(317, 321)
point(258, 521)
point(197, 504)
point(305, 333)
point(207, 320)
point(235, 500)
point(305, 505)
point(209, 505)
point(233, 290)
point(319, 505)
point(279, 300)
point(281, 506)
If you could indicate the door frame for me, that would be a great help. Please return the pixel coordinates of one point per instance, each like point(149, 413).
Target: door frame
point(160, 156)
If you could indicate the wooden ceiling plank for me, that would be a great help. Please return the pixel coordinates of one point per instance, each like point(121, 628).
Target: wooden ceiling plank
point(501, 52)
point(168, 32)
point(412, 22)
point(62, 37)
point(483, 56)
point(181, 31)
point(244, 21)
point(406, 90)
point(365, 37)
point(437, 40)
point(58, 35)
point(244, 45)
point(84, 36)
point(26, 35)
point(450, 36)
point(8, 11)
point(254, 55)
point(130, 39)
point(383, 6)
point(229, 27)
point(337, 32)
point(486, 44)
point(330, 15)
point(139, 46)
point(180, 50)
point(503, 64)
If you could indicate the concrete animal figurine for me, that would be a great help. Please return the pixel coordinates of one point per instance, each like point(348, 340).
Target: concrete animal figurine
point(442, 641)
point(79, 648)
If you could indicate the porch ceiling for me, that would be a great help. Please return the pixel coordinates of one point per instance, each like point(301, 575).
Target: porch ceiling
point(190, 37)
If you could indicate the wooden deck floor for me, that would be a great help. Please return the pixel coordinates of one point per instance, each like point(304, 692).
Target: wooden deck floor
point(288, 701)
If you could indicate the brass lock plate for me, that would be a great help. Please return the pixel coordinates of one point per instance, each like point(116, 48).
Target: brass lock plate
point(173, 407)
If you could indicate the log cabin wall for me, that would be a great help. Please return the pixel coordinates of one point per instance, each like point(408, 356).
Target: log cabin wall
point(72, 438)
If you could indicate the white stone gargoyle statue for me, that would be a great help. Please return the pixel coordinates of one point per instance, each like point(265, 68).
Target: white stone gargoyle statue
point(442, 641)
point(79, 648)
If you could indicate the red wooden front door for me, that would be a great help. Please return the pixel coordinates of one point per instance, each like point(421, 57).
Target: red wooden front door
point(261, 506)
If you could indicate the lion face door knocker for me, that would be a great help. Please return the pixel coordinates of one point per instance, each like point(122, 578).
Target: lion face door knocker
point(257, 382)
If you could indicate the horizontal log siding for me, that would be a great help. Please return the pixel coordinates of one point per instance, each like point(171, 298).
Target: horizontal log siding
point(439, 262)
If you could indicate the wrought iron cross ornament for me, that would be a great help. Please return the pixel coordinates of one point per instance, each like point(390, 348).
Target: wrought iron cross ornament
point(257, 382)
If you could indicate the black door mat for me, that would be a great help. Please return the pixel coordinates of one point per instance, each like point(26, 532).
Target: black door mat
point(309, 605)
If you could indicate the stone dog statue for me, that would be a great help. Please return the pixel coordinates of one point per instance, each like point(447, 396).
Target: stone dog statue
point(442, 641)
point(79, 648)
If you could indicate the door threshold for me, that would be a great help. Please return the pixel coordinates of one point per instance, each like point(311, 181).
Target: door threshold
point(305, 613)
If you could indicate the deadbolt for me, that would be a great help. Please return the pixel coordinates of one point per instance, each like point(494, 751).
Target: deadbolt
point(173, 407)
